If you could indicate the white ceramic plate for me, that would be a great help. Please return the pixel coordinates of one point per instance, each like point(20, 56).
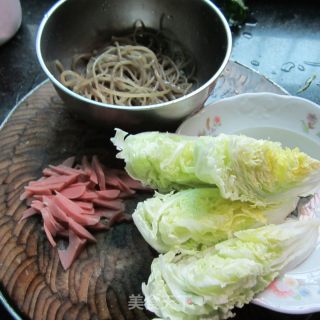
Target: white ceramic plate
point(295, 122)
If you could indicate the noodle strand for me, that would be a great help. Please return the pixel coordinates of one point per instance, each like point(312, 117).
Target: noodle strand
point(129, 73)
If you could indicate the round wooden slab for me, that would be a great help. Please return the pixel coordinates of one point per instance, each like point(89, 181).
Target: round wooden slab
point(105, 281)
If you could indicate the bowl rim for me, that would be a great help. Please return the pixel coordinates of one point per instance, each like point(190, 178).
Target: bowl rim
point(57, 83)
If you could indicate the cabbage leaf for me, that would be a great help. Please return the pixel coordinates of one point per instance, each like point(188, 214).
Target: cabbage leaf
point(208, 284)
point(195, 218)
point(243, 168)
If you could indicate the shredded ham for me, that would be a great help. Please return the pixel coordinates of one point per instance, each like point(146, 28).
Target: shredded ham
point(76, 199)
point(75, 246)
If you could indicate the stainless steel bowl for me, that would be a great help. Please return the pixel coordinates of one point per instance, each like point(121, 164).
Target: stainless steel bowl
point(76, 26)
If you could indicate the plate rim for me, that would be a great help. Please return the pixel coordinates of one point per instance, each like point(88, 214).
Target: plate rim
point(292, 310)
point(207, 108)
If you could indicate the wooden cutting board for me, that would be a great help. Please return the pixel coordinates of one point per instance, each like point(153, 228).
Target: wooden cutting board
point(105, 281)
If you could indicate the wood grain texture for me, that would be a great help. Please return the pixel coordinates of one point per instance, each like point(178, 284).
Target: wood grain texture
point(98, 285)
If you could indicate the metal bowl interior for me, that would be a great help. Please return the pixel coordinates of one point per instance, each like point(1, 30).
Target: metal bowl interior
point(77, 26)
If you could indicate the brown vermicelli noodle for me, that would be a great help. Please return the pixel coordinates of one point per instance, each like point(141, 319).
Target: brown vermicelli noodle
point(136, 70)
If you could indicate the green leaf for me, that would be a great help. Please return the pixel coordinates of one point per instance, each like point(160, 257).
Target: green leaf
point(307, 84)
point(304, 126)
point(235, 11)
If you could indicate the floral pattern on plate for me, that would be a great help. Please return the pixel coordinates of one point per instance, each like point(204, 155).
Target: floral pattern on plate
point(291, 287)
point(310, 123)
point(211, 126)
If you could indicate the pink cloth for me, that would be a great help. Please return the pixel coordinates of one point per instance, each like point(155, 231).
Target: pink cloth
point(10, 19)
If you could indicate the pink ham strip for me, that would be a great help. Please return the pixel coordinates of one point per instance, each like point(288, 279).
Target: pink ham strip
point(87, 168)
point(89, 195)
point(49, 236)
point(73, 192)
point(44, 190)
point(25, 195)
point(133, 184)
point(69, 206)
point(113, 175)
point(117, 217)
point(52, 183)
point(112, 180)
point(75, 246)
point(73, 211)
point(40, 197)
point(28, 213)
point(63, 170)
point(57, 212)
point(80, 230)
point(67, 179)
point(69, 162)
point(89, 212)
point(115, 181)
point(124, 188)
point(49, 221)
point(48, 172)
point(125, 195)
point(59, 227)
point(99, 173)
point(108, 194)
point(86, 165)
point(37, 205)
point(93, 178)
point(82, 184)
point(72, 198)
point(84, 205)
